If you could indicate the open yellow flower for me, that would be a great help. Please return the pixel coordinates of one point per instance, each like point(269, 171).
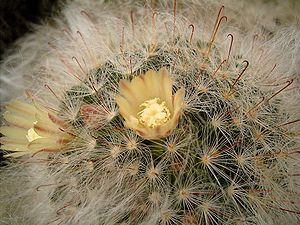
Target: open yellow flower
point(147, 105)
point(32, 129)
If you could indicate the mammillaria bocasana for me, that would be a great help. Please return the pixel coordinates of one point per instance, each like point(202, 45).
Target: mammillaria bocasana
point(160, 124)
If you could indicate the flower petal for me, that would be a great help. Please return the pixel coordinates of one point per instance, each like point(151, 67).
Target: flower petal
point(43, 144)
point(21, 108)
point(14, 147)
point(126, 90)
point(17, 154)
point(132, 122)
point(14, 132)
point(152, 84)
point(178, 101)
point(172, 123)
point(31, 126)
point(124, 107)
point(18, 120)
point(166, 84)
point(19, 141)
point(138, 88)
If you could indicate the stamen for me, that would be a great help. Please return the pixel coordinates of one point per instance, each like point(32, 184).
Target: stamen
point(153, 114)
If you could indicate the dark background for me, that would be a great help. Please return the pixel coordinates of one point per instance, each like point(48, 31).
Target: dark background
point(17, 17)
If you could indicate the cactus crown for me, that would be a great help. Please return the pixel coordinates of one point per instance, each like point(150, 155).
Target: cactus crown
point(224, 161)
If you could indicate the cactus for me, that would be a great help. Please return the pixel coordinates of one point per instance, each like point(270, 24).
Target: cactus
point(150, 122)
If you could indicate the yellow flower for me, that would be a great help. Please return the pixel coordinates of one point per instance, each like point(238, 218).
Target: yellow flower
point(32, 129)
point(147, 105)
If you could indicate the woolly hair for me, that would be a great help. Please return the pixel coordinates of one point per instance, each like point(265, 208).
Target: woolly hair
point(29, 57)
point(233, 157)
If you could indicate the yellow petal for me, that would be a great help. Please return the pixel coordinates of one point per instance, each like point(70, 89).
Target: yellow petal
point(17, 154)
point(172, 123)
point(124, 107)
point(44, 132)
point(43, 118)
point(44, 144)
point(19, 120)
point(14, 132)
point(33, 130)
point(6, 140)
point(178, 100)
point(132, 122)
point(56, 120)
point(166, 88)
point(22, 108)
point(138, 89)
point(32, 135)
point(152, 133)
point(152, 84)
point(14, 147)
point(127, 92)
point(44, 125)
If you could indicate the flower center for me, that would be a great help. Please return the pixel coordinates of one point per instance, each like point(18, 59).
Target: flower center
point(32, 135)
point(153, 113)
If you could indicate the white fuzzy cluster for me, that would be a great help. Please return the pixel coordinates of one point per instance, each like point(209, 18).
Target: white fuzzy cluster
point(116, 177)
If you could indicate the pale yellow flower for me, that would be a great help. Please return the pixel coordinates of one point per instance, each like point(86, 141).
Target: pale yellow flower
point(31, 129)
point(147, 105)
